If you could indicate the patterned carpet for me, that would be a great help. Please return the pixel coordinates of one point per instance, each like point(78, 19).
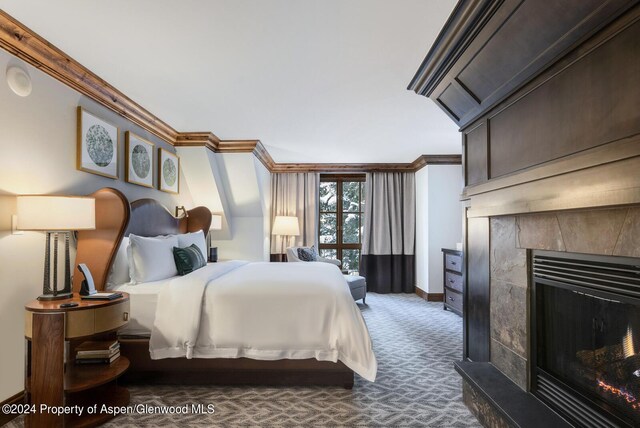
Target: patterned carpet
point(415, 343)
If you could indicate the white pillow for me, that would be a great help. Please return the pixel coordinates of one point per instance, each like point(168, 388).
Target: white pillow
point(119, 272)
point(187, 239)
point(151, 259)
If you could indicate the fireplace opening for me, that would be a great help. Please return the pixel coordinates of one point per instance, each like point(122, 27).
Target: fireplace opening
point(586, 337)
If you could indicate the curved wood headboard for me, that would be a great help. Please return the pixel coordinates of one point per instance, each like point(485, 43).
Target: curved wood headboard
point(116, 218)
point(97, 248)
point(150, 218)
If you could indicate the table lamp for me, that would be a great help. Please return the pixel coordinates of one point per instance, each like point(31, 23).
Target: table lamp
point(56, 215)
point(285, 226)
point(216, 224)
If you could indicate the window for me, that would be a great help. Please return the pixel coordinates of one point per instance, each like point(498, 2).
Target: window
point(341, 218)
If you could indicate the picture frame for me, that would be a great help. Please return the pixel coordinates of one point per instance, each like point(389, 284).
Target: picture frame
point(168, 171)
point(97, 145)
point(138, 160)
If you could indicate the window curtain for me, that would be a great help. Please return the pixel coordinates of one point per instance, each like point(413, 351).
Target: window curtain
point(388, 241)
point(295, 194)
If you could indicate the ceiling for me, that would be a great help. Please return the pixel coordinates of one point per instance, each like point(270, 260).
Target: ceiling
point(314, 80)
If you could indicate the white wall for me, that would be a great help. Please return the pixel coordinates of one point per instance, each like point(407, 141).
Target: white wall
point(202, 172)
point(422, 228)
point(246, 182)
point(38, 156)
point(438, 221)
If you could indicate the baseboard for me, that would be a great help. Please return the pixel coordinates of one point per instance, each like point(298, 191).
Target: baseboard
point(14, 399)
point(430, 297)
point(435, 297)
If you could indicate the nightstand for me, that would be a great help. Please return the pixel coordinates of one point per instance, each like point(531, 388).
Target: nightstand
point(51, 376)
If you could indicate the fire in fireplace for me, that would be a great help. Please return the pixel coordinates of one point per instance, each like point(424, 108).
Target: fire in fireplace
point(586, 327)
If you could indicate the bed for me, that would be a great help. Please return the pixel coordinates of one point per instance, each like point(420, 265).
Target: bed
point(246, 323)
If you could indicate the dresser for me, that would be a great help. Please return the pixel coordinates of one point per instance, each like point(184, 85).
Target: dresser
point(452, 275)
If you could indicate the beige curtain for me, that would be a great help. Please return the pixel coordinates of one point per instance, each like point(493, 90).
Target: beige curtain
point(388, 241)
point(297, 195)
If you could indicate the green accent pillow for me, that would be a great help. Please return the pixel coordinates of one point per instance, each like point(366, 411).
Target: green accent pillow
point(188, 259)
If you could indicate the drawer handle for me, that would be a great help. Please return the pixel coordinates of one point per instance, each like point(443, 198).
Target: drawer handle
point(452, 299)
point(125, 316)
point(454, 263)
point(451, 280)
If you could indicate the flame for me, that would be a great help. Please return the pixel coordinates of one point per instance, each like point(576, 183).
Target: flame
point(627, 343)
point(620, 392)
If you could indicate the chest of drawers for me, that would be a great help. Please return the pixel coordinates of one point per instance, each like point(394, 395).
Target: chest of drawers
point(453, 282)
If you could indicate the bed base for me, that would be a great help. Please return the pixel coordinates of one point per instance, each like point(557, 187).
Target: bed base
point(228, 371)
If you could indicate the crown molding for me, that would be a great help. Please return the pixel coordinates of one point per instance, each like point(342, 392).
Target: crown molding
point(20, 41)
point(414, 166)
point(248, 146)
point(197, 139)
point(425, 160)
point(462, 26)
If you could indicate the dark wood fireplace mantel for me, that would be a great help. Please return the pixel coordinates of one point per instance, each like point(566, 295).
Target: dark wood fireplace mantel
point(547, 96)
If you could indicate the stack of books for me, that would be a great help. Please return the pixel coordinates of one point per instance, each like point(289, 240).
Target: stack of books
point(98, 352)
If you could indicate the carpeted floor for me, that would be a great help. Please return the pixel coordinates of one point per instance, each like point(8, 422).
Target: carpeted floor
point(415, 343)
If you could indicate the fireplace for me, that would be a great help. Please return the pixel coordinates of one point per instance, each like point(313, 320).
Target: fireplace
point(585, 341)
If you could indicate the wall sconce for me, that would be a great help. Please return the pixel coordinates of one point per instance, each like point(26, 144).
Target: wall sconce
point(19, 81)
point(180, 208)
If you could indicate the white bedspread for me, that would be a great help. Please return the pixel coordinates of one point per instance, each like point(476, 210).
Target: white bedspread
point(263, 311)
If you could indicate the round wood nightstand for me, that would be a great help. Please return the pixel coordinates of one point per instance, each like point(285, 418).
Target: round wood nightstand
point(55, 382)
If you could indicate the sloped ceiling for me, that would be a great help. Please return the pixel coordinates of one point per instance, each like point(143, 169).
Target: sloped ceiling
point(315, 81)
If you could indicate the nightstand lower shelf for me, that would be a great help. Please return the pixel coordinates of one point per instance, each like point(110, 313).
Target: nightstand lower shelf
point(109, 395)
point(82, 377)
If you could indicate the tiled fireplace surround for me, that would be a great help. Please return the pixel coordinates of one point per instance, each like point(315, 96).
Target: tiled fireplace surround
point(610, 231)
point(614, 231)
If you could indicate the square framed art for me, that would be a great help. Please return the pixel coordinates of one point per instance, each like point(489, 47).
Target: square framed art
point(97, 150)
point(138, 160)
point(168, 171)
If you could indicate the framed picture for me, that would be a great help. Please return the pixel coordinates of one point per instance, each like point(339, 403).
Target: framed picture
point(138, 160)
point(168, 171)
point(97, 150)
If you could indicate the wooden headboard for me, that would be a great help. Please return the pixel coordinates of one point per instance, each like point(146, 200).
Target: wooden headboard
point(150, 218)
point(116, 218)
point(97, 248)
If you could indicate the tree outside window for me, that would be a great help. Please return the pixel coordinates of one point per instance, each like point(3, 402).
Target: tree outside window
point(341, 218)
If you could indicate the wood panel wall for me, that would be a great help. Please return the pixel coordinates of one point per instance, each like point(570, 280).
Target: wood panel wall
point(547, 95)
point(490, 48)
point(583, 113)
point(477, 338)
point(578, 108)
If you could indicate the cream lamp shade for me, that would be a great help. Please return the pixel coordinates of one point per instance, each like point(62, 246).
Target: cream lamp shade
point(56, 213)
point(216, 222)
point(286, 225)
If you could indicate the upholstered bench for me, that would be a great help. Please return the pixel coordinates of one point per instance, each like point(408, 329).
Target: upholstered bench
point(358, 286)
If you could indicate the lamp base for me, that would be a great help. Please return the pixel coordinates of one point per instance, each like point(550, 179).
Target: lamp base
point(59, 296)
point(213, 254)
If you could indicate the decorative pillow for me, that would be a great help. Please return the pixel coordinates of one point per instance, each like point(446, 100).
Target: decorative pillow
point(198, 238)
point(188, 259)
point(307, 254)
point(151, 259)
point(119, 272)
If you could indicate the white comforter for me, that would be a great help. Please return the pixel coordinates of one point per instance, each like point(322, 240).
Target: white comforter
point(263, 311)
